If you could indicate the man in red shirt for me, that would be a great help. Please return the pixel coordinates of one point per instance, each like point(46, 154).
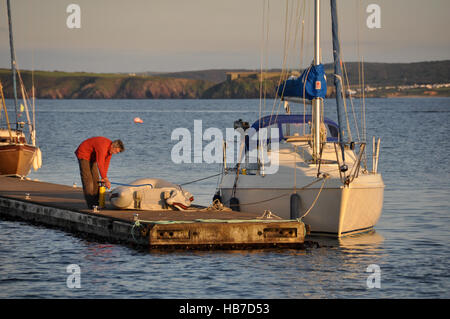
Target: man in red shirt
point(94, 155)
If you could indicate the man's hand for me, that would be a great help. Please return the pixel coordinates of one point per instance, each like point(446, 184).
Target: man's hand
point(107, 183)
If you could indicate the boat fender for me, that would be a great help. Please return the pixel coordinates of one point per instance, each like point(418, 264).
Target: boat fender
point(234, 204)
point(296, 205)
point(37, 159)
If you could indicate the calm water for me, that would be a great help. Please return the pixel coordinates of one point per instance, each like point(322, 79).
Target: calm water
point(410, 245)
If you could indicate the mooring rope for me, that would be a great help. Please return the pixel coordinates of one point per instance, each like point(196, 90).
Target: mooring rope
point(200, 179)
point(317, 197)
point(290, 192)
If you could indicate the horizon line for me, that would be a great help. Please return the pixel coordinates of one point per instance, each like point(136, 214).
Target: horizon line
point(218, 69)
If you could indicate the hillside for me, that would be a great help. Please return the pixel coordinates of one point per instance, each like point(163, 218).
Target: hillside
point(391, 79)
point(385, 74)
point(65, 85)
point(375, 73)
point(383, 80)
point(215, 76)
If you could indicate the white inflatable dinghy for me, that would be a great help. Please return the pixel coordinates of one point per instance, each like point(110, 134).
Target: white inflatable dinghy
point(151, 194)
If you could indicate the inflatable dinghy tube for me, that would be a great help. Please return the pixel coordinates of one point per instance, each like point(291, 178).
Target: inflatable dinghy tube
point(151, 194)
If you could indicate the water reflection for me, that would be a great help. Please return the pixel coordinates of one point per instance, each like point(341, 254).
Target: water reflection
point(96, 251)
point(356, 252)
point(369, 240)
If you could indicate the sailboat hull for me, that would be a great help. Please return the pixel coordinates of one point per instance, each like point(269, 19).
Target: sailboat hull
point(16, 159)
point(338, 211)
point(16, 155)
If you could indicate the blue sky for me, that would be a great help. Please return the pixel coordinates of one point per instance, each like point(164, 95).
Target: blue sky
point(180, 35)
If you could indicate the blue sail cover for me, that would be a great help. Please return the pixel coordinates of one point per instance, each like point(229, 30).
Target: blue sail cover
point(316, 84)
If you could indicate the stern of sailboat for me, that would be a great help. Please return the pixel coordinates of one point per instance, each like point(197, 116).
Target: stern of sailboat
point(16, 159)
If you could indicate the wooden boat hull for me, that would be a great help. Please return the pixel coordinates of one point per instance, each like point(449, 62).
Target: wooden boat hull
point(16, 159)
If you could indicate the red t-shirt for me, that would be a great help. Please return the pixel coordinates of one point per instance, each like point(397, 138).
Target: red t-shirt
point(96, 149)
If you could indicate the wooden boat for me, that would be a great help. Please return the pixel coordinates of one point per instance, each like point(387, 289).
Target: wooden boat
point(16, 159)
point(18, 150)
point(17, 156)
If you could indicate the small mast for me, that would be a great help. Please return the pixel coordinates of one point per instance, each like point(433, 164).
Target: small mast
point(13, 56)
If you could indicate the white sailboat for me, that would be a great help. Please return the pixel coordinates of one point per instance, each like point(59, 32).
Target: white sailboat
point(322, 178)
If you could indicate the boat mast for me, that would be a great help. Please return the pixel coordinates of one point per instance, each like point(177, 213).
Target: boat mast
point(316, 101)
point(338, 74)
point(13, 57)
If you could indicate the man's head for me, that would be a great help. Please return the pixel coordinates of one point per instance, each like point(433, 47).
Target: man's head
point(117, 147)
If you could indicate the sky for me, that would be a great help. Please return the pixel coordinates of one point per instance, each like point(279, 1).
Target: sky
point(183, 35)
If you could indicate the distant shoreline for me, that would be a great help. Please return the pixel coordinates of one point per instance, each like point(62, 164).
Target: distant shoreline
point(387, 80)
point(231, 99)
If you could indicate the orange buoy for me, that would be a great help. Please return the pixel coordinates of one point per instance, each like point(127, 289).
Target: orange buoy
point(138, 120)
